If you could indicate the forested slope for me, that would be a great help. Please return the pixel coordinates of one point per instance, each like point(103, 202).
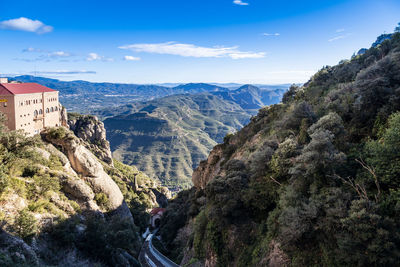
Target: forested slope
point(313, 181)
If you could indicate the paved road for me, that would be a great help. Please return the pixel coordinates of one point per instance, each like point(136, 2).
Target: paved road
point(151, 257)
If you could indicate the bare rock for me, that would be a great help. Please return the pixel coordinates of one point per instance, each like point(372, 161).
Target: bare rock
point(209, 168)
point(91, 130)
point(86, 165)
point(63, 116)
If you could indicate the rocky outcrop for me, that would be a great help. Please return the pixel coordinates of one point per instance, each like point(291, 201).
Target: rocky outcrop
point(63, 116)
point(209, 168)
point(91, 130)
point(87, 166)
point(79, 191)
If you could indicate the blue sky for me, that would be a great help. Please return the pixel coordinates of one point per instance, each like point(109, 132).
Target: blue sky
point(157, 41)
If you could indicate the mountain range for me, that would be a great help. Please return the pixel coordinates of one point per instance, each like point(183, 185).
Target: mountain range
point(167, 137)
point(85, 97)
point(164, 131)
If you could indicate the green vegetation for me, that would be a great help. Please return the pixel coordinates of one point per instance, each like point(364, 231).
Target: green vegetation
point(139, 199)
point(36, 206)
point(314, 180)
point(166, 138)
point(25, 224)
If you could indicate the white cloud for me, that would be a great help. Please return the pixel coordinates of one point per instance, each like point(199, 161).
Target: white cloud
point(94, 56)
point(190, 50)
point(59, 54)
point(340, 30)
point(65, 72)
point(242, 55)
point(25, 24)
point(131, 58)
point(45, 55)
point(31, 49)
point(240, 3)
point(272, 34)
point(339, 37)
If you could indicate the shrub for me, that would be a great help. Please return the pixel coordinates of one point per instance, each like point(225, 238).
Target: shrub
point(57, 133)
point(25, 224)
point(102, 200)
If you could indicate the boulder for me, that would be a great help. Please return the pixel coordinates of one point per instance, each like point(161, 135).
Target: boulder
point(87, 166)
point(91, 130)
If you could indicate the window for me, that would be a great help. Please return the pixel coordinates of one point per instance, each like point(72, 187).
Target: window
point(47, 110)
point(35, 113)
point(56, 108)
point(51, 109)
point(40, 112)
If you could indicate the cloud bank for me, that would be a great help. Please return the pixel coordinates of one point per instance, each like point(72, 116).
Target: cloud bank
point(190, 50)
point(25, 24)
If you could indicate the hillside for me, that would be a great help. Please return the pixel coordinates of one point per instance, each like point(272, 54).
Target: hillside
point(313, 181)
point(166, 138)
point(86, 97)
point(62, 205)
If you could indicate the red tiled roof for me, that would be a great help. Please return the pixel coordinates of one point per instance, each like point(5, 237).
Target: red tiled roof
point(23, 88)
point(156, 211)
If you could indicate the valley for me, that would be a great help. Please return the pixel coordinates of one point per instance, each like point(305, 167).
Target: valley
point(165, 131)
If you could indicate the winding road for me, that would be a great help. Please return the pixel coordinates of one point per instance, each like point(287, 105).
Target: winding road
point(151, 257)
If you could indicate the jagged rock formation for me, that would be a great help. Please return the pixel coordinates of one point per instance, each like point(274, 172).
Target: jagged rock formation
point(91, 130)
point(63, 116)
point(85, 164)
point(58, 194)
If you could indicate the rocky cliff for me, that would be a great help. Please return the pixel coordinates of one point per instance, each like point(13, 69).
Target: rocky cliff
point(62, 196)
point(92, 131)
point(88, 169)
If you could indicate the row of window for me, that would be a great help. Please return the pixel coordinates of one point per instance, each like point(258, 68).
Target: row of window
point(48, 110)
point(28, 102)
point(36, 101)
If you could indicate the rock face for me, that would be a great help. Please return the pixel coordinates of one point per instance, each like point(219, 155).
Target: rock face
point(208, 169)
point(63, 116)
point(91, 130)
point(86, 165)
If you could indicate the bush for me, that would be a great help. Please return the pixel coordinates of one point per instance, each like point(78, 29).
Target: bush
point(102, 200)
point(57, 133)
point(25, 224)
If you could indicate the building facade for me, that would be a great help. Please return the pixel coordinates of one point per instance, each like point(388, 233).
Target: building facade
point(29, 106)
